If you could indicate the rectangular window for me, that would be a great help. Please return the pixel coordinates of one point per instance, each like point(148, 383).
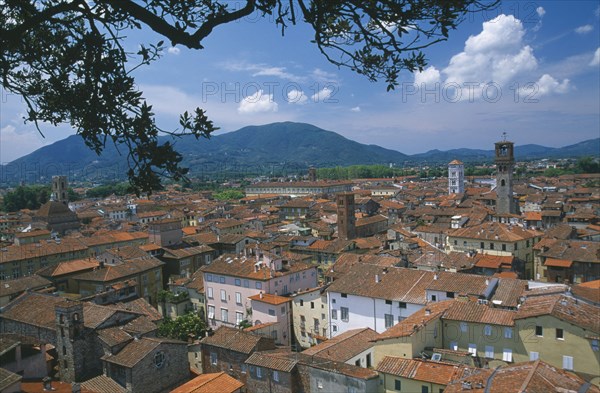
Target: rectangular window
point(258, 285)
point(489, 351)
point(539, 331)
point(271, 312)
point(424, 389)
point(239, 317)
point(344, 295)
point(238, 282)
point(312, 304)
point(491, 246)
point(213, 358)
point(301, 303)
point(463, 327)
point(503, 247)
point(507, 355)
point(568, 362)
point(222, 280)
point(559, 334)
point(388, 302)
point(209, 292)
point(238, 298)
point(508, 332)
point(402, 304)
point(595, 346)
point(450, 295)
point(211, 312)
point(473, 349)
point(397, 385)
point(258, 372)
point(246, 284)
point(344, 312)
point(481, 245)
point(534, 356)
point(275, 375)
point(389, 321)
point(223, 295)
point(224, 315)
point(487, 330)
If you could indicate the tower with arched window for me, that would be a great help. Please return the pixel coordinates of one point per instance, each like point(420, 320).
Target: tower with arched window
point(505, 164)
point(70, 341)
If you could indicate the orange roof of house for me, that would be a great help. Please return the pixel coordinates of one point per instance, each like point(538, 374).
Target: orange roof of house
point(558, 262)
point(210, 383)
point(591, 284)
point(533, 216)
point(189, 230)
point(270, 299)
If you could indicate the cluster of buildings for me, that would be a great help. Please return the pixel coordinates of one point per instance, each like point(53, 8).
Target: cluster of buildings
point(370, 285)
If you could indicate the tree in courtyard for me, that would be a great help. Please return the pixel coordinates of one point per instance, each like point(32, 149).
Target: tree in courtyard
point(183, 327)
point(68, 61)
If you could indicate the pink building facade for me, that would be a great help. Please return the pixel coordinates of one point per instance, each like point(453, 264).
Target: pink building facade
point(231, 280)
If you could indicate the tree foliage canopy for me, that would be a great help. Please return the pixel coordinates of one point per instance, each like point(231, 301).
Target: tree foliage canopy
point(181, 328)
point(68, 61)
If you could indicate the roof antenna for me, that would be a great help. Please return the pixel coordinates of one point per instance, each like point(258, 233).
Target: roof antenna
point(504, 136)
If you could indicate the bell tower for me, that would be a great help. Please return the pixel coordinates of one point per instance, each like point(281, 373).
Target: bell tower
point(346, 220)
point(70, 340)
point(505, 164)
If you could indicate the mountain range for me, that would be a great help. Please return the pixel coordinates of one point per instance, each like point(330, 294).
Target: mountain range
point(258, 149)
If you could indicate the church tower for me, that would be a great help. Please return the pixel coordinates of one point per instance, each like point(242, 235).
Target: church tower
point(505, 163)
point(346, 221)
point(70, 341)
point(59, 189)
point(456, 177)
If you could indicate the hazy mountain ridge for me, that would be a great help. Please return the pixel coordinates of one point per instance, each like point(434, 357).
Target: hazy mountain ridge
point(296, 145)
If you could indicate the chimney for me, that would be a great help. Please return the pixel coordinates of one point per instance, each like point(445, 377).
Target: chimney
point(427, 311)
point(487, 282)
point(435, 276)
point(377, 279)
point(261, 295)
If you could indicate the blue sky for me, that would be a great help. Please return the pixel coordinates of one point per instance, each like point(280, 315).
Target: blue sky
point(529, 68)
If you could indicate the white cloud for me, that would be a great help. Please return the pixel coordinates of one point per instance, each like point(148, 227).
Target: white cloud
point(355, 109)
point(279, 72)
point(497, 54)
point(547, 85)
point(540, 11)
point(584, 29)
point(429, 76)
point(596, 59)
point(322, 95)
point(19, 142)
point(297, 97)
point(260, 69)
point(174, 50)
point(258, 102)
point(323, 76)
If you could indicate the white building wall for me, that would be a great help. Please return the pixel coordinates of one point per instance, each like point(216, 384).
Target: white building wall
point(365, 312)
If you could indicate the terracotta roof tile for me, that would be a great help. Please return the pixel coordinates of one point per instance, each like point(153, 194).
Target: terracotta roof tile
point(233, 339)
point(564, 308)
point(103, 384)
point(478, 313)
point(210, 383)
point(400, 284)
point(536, 376)
point(345, 346)
point(270, 299)
point(422, 370)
